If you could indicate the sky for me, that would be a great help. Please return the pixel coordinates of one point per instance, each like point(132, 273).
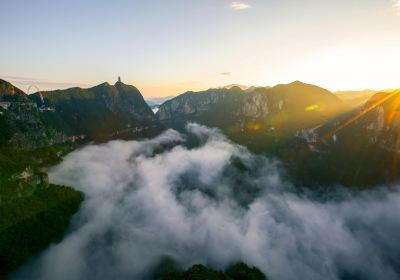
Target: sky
point(166, 47)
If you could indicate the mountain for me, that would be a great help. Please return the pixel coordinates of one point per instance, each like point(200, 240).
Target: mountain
point(210, 107)
point(155, 102)
point(318, 137)
point(359, 148)
point(379, 120)
point(261, 119)
point(35, 132)
point(242, 87)
point(99, 113)
point(33, 212)
point(20, 122)
point(357, 98)
point(168, 269)
point(152, 101)
point(297, 99)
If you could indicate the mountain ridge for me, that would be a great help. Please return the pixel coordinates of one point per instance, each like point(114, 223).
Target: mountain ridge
point(99, 113)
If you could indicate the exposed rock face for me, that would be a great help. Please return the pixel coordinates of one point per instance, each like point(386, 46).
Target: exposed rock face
point(376, 123)
point(21, 125)
point(195, 103)
point(382, 123)
point(29, 131)
point(296, 104)
point(256, 105)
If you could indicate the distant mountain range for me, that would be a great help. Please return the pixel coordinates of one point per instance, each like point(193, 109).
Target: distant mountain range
point(278, 111)
point(357, 98)
point(155, 102)
point(319, 135)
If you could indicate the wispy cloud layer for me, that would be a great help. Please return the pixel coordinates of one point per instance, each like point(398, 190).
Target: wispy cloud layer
point(238, 5)
point(226, 73)
point(214, 204)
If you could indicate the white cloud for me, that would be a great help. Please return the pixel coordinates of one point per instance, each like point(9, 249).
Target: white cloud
point(238, 5)
point(215, 204)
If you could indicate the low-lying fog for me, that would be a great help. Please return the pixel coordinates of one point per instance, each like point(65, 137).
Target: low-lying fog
point(215, 204)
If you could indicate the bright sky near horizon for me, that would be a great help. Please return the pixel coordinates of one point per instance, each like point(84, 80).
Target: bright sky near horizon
point(165, 47)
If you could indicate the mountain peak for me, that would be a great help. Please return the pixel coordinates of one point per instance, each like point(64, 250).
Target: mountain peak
point(297, 83)
point(242, 87)
point(119, 82)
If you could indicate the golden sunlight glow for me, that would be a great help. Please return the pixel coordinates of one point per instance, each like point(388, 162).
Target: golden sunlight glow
point(372, 106)
point(312, 108)
point(351, 67)
point(254, 126)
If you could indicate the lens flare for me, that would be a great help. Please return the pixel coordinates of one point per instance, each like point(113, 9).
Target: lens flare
point(313, 107)
point(372, 106)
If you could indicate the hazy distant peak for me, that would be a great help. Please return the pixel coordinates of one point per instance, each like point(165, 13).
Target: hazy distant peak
point(301, 87)
point(242, 87)
point(358, 97)
point(298, 83)
point(235, 88)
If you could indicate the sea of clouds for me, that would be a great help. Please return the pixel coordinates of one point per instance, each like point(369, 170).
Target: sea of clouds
point(215, 204)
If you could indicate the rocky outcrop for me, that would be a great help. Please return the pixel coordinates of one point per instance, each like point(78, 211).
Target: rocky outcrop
point(376, 123)
point(382, 123)
point(196, 103)
point(256, 105)
point(29, 131)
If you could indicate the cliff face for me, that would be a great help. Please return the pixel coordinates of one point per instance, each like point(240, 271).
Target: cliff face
point(29, 130)
point(292, 106)
point(21, 125)
point(377, 123)
point(359, 148)
point(381, 122)
point(196, 104)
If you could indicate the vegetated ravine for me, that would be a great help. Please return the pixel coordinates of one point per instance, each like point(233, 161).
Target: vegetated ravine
point(213, 203)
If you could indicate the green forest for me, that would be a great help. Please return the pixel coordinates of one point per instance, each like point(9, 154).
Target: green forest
point(33, 212)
